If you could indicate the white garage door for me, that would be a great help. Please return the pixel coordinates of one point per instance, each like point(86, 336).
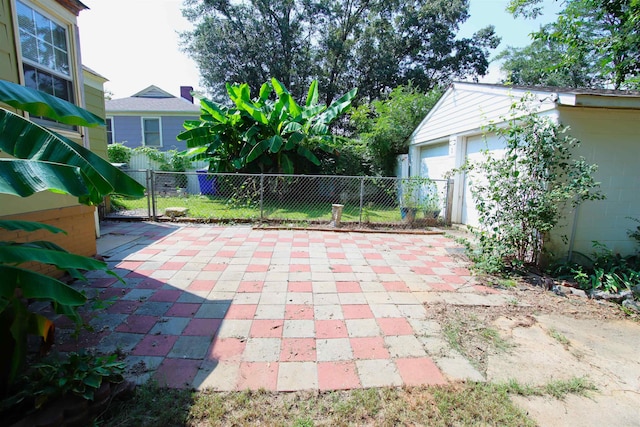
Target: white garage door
point(475, 145)
point(435, 161)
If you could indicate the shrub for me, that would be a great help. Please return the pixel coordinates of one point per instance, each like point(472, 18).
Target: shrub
point(118, 153)
point(521, 197)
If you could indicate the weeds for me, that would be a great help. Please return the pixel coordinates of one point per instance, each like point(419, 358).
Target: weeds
point(559, 337)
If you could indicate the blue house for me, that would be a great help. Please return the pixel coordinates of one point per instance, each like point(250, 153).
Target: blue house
point(151, 117)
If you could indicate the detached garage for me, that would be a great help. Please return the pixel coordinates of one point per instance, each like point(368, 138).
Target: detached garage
point(606, 122)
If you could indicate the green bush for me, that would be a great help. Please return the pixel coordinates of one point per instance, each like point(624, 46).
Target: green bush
point(521, 196)
point(118, 153)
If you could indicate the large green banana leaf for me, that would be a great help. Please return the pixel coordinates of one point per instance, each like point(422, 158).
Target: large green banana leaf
point(27, 140)
point(42, 104)
point(26, 177)
point(19, 254)
point(38, 286)
point(14, 225)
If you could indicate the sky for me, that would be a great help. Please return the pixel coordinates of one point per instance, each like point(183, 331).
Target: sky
point(135, 43)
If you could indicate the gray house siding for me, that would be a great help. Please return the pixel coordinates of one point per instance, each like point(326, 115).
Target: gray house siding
point(128, 130)
point(171, 127)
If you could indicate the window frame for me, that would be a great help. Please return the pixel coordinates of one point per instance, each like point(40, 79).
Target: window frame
point(72, 79)
point(144, 136)
point(109, 122)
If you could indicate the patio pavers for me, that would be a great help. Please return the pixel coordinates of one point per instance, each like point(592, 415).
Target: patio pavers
point(234, 307)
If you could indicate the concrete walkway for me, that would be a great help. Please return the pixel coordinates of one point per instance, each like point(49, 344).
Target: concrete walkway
point(232, 308)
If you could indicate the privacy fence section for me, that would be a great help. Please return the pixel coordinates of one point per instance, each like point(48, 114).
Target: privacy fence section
point(287, 198)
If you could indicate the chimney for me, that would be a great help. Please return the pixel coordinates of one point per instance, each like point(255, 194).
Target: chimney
point(185, 92)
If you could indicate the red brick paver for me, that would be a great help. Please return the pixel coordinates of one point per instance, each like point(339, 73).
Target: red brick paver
point(279, 310)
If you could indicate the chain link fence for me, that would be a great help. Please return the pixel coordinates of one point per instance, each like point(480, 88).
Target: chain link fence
point(360, 200)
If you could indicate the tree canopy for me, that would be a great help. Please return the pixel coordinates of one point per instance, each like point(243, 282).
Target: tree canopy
point(374, 45)
point(594, 43)
point(384, 125)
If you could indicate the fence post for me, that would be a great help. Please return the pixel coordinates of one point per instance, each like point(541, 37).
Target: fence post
point(449, 207)
point(261, 197)
point(147, 175)
point(153, 195)
point(361, 198)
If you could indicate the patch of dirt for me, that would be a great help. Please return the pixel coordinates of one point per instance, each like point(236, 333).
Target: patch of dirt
point(469, 328)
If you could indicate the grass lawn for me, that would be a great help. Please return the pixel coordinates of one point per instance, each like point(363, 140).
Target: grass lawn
point(219, 208)
point(463, 404)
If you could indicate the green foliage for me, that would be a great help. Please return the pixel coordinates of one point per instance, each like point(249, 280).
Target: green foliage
point(261, 135)
point(65, 167)
point(118, 153)
point(384, 126)
point(46, 160)
point(599, 36)
point(372, 45)
point(78, 374)
point(544, 63)
point(607, 271)
point(169, 161)
point(521, 196)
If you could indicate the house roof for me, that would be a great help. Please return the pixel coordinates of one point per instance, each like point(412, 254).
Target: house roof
point(74, 6)
point(585, 97)
point(151, 100)
point(466, 107)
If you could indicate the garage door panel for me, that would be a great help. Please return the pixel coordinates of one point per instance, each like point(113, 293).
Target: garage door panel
point(435, 161)
point(475, 147)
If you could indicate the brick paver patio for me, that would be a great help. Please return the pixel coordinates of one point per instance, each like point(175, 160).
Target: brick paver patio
point(235, 307)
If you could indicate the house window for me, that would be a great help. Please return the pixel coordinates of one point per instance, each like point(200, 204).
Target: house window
point(151, 132)
point(109, 123)
point(45, 53)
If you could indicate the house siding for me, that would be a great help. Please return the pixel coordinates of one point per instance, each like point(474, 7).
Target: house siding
point(171, 128)
point(617, 157)
point(128, 130)
point(8, 60)
point(94, 100)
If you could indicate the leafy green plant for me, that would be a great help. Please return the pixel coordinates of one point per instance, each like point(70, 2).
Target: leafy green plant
point(118, 153)
point(78, 374)
point(44, 160)
point(385, 125)
point(610, 271)
point(262, 135)
point(521, 196)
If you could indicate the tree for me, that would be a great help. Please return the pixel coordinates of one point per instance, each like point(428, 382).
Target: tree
point(374, 45)
point(385, 125)
point(544, 63)
point(261, 135)
point(521, 196)
point(599, 34)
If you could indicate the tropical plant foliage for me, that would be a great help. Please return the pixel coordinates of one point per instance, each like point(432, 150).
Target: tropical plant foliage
point(521, 196)
point(374, 45)
point(44, 160)
point(263, 135)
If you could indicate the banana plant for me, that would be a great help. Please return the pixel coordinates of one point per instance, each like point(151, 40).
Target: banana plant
point(41, 159)
point(263, 135)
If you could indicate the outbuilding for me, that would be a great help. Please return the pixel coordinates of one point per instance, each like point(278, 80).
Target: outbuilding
point(606, 122)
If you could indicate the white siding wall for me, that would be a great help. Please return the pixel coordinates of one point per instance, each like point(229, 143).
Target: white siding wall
point(462, 110)
point(611, 139)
